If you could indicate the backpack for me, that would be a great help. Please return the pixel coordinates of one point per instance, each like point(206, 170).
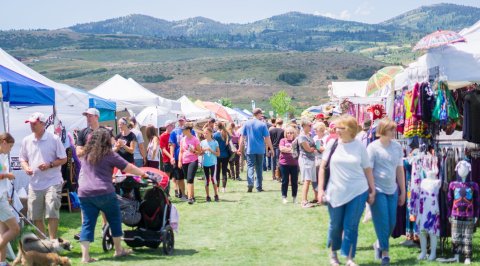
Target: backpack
point(295, 148)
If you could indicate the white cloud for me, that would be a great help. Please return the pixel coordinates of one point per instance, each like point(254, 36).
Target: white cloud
point(345, 14)
point(364, 9)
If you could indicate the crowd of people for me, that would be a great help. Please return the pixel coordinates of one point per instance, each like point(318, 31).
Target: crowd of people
point(331, 157)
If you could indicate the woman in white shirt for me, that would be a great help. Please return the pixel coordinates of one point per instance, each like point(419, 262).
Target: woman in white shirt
point(350, 185)
point(153, 149)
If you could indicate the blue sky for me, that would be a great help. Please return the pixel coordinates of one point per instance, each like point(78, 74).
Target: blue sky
point(53, 14)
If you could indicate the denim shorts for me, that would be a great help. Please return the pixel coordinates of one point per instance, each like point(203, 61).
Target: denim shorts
point(91, 206)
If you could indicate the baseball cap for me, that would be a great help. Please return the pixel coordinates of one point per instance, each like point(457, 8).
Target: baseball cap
point(182, 117)
point(168, 123)
point(332, 125)
point(36, 117)
point(92, 111)
point(257, 111)
point(319, 116)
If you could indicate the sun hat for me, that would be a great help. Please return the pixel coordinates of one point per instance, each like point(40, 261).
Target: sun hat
point(36, 117)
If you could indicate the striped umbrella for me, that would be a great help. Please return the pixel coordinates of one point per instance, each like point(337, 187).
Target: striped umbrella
point(381, 78)
point(437, 39)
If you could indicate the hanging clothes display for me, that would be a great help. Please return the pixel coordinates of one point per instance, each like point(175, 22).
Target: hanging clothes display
point(471, 109)
point(399, 110)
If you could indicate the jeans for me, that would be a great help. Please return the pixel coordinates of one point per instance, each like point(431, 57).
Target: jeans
point(275, 156)
point(384, 216)
point(91, 206)
point(254, 164)
point(267, 162)
point(345, 219)
point(292, 171)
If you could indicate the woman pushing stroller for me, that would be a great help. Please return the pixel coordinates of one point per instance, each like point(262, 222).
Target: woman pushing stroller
point(97, 193)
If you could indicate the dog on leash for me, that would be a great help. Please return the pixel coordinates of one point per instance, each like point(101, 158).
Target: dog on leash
point(31, 242)
point(33, 258)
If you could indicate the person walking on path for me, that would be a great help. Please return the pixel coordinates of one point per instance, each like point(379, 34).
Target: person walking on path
point(174, 142)
point(210, 151)
point(139, 155)
point(349, 186)
point(167, 157)
point(255, 133)
point(97, 193)
point(386, 157)
point(223, 139)
point(153, 152)
point(288, 165)
point(306, 160)
point(234, 161)
point(125, 141)
point(41, 155)
point(9, 227)
point(188, 158)
point(276, 134)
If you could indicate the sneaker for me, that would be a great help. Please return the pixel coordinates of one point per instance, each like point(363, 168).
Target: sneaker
point(284, 200)
point(216, 198)
point(209, 199)
point(306, 204)
point(184, 198)
point(191, 201)
point(377, 253)
point(239, 179)
point(294, 201)
point(76, 236)
point(385, 261)
point(260, 190)
point(224, 190)
point(176, 194)
point(250, 189)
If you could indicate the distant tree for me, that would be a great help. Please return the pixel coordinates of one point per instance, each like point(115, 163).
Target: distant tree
point(293, 79)
point(281, 103)
point(226, 102)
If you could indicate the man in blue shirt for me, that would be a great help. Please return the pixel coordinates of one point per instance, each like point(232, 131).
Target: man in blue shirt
point(255, 133)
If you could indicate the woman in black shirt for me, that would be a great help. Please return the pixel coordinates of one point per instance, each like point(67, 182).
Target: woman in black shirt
point(125, 141)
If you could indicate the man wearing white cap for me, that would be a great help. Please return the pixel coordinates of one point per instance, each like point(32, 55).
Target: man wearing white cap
point(41, 155)
point(92, 115)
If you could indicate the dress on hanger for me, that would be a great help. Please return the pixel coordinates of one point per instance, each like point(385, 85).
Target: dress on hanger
point(428, 219)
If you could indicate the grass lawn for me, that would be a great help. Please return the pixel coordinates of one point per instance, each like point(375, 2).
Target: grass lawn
point(244, 229)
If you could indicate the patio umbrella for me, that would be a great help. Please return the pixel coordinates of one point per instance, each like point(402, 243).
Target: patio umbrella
point(216, 108)
point(381, 78)
point(437, 39)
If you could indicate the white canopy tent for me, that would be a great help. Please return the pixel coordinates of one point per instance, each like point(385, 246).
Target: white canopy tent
point(126, 94)
point(236, 116)
point(167, 104)
point(193, 111)
point(347, 89)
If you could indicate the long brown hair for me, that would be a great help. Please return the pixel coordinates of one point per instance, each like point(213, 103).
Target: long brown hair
point(98, 146)
point(151, 132)
point(223, 131)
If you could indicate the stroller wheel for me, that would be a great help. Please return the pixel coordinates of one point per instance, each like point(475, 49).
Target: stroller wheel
point(107, 239)
point(168, 240)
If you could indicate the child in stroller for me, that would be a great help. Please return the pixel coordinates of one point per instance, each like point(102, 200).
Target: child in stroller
point(149, 216)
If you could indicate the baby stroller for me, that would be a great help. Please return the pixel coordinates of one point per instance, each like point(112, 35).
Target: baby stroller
point(149, 216)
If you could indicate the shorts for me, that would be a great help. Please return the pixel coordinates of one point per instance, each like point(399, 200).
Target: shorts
point(210, 174)
point(178, 173)
point(308, 169)
point(44, 203)
point(167, 168)
point(6, 211)
point(189, 170)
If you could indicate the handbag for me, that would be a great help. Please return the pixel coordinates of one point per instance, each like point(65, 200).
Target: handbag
point(327, 165)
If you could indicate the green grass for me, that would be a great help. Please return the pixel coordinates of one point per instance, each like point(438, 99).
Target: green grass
point(244, 229)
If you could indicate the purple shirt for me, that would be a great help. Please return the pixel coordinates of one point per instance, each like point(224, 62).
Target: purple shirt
point(463, 200)
point(96, 180)
point(286, 158)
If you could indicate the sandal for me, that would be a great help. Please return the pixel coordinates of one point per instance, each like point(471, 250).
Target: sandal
point(125, 252)
point(351, 263)
point(334, 261)
point(89, 261)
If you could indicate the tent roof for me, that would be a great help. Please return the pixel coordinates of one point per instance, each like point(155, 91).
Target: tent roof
point(125, 93)
point(348, 89)
point(19, 90)
point(167, 104)
point(192, 111)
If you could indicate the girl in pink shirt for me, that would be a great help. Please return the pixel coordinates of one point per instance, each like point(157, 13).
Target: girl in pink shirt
point(188, 158)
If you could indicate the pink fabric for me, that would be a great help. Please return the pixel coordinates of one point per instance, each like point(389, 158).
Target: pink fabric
point(186, 145)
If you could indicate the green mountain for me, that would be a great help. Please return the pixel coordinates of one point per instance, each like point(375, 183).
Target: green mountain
point(440, 16)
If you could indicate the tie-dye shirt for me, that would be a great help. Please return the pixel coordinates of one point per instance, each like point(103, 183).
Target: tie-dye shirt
point(463, 199)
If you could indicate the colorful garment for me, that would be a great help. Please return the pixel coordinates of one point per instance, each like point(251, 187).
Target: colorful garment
point(428, 219)
point(413, 126)
point(399, 111)
point(463, 200)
